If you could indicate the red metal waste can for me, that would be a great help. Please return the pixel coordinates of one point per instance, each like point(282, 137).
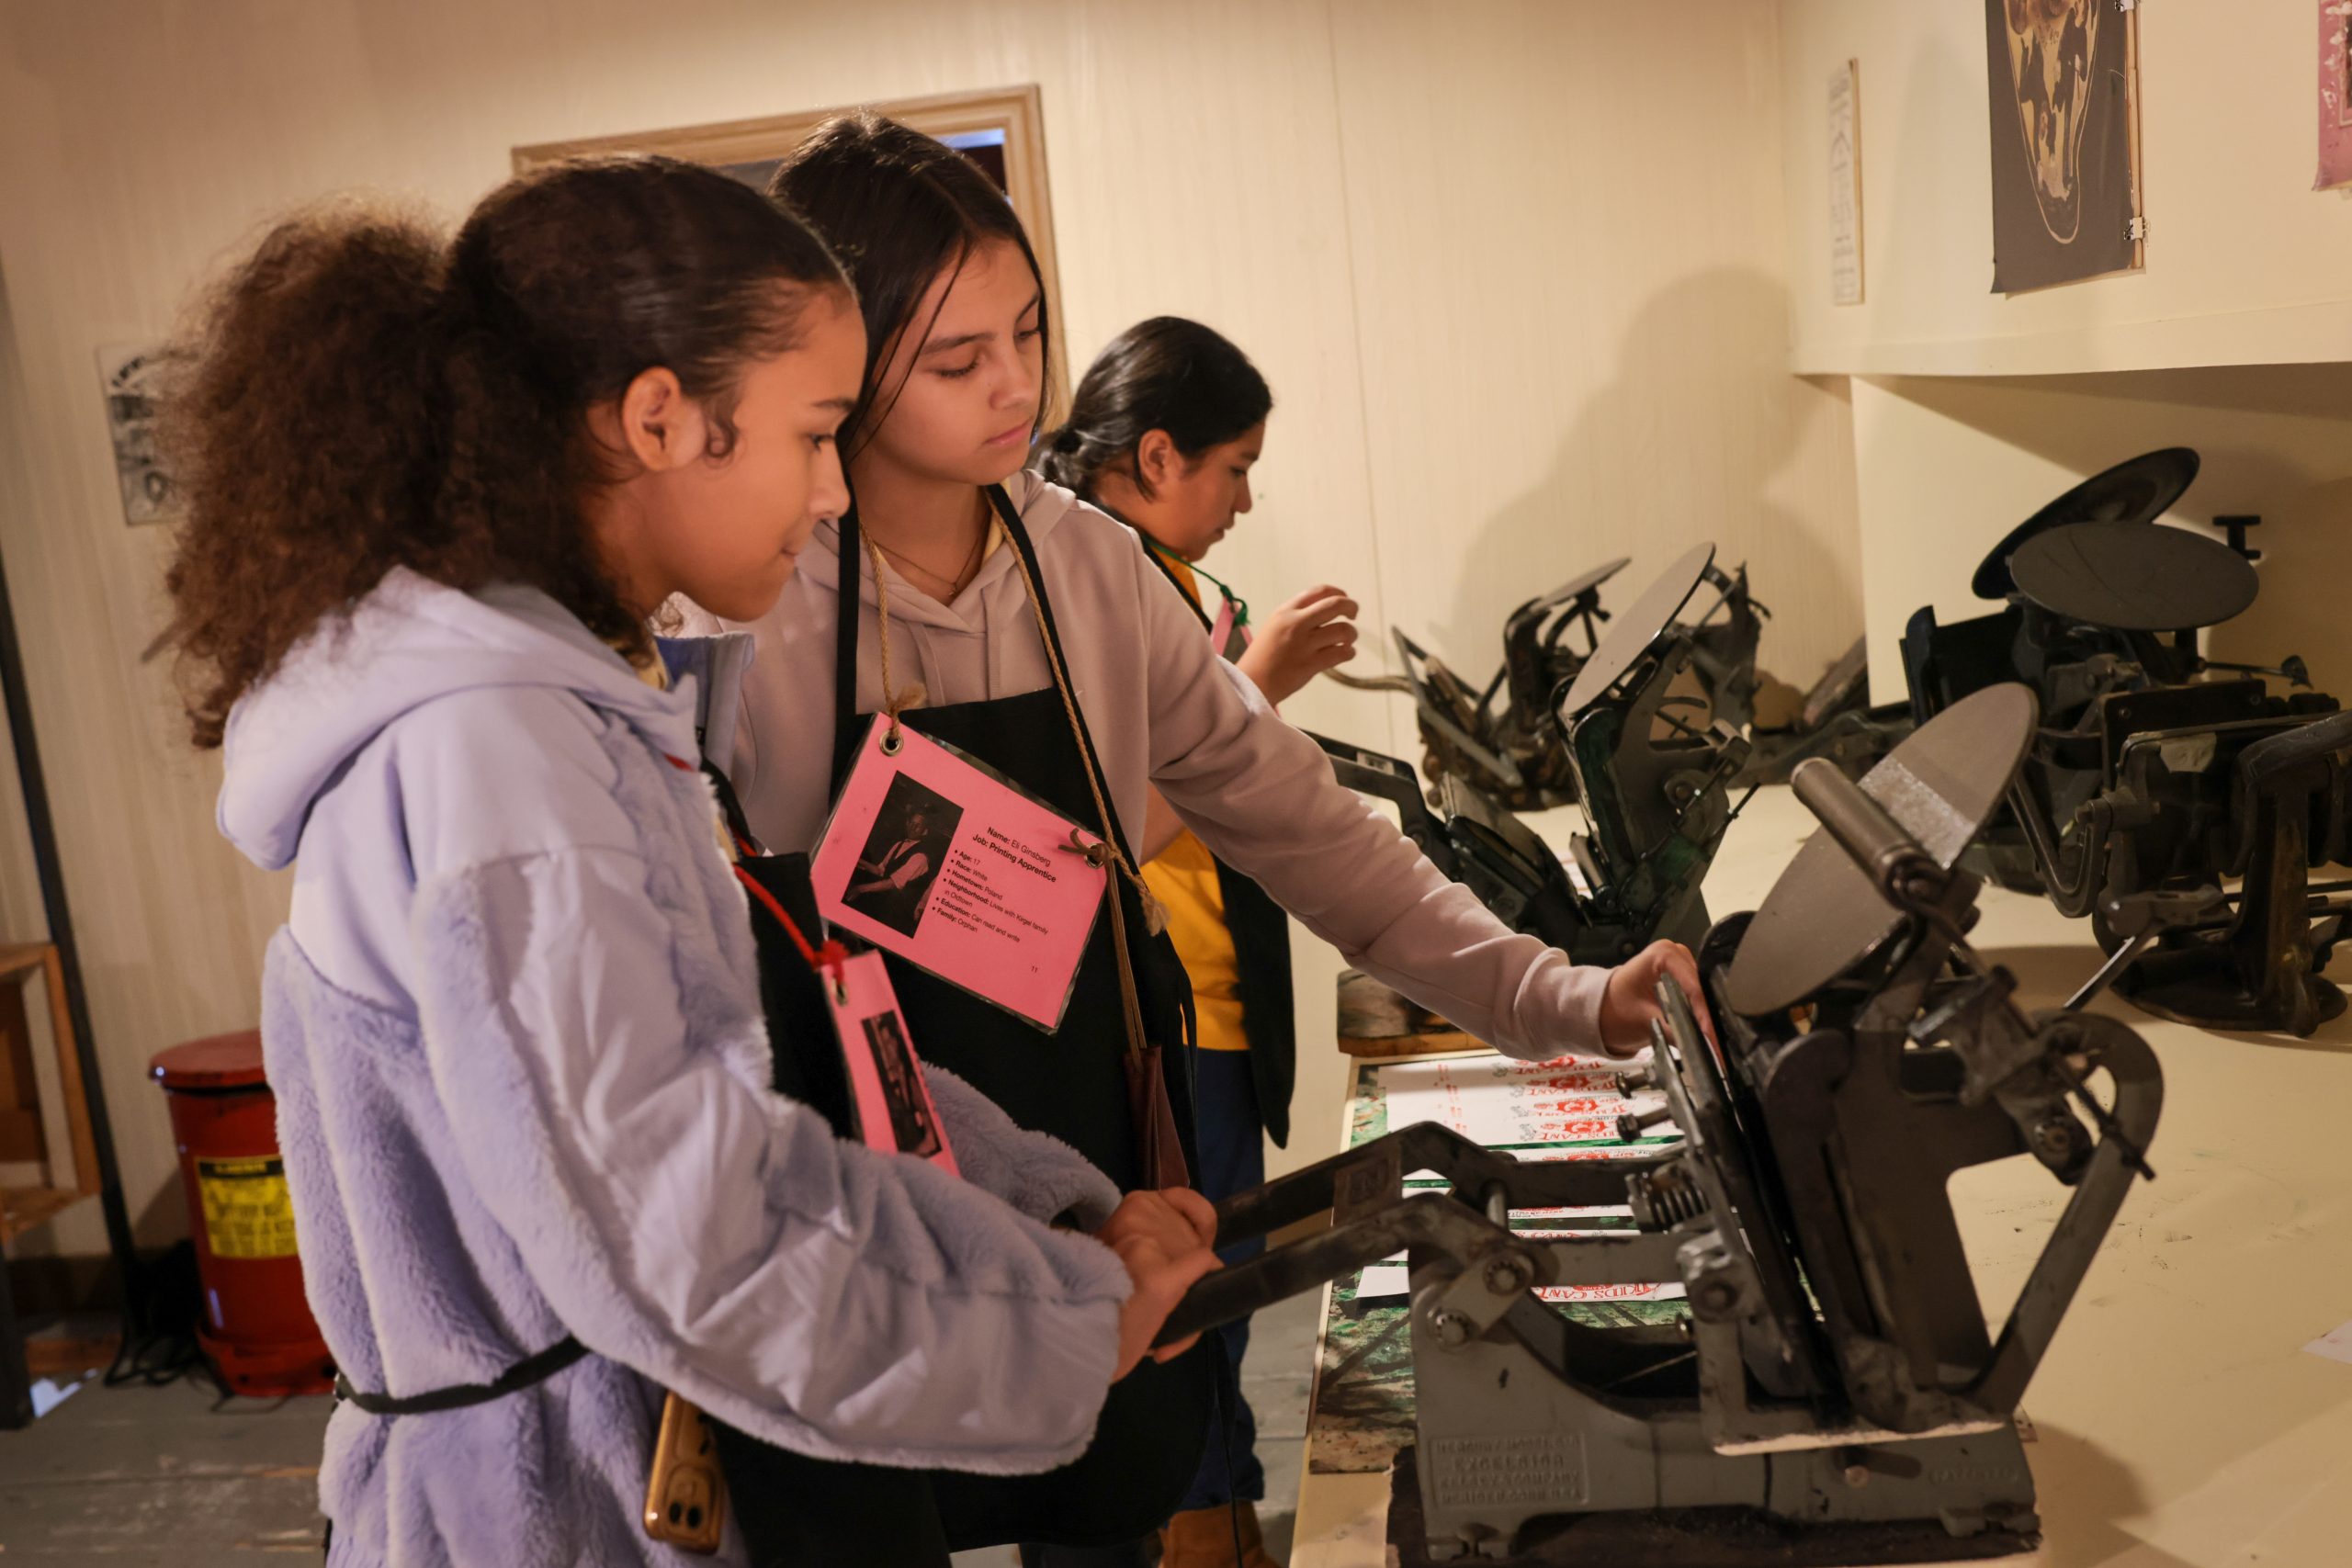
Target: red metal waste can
point(258, 1330)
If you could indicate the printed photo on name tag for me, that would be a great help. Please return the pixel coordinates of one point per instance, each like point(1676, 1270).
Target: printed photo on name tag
point(902, 856)
point(945, 864)
point(889, 1099)
point(912, 1130)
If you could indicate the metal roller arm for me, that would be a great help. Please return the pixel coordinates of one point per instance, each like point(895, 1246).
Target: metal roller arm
point(1886, 852)
point(1372, 1215)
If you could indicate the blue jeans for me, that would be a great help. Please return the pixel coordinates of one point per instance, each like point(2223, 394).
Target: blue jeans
point(1232, 1142)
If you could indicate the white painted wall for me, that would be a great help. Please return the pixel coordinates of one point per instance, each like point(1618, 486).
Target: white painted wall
point(1944, 466)
point(1515, 271)
point(2246, 264)
point(1971, 411)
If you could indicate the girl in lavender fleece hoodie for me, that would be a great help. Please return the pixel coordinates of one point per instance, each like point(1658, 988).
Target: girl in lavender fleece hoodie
point(513, 1020)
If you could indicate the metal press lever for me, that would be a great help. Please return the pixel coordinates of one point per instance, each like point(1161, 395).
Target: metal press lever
point(1374, 1216)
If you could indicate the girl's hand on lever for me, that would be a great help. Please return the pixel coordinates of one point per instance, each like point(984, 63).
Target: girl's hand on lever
point(1301, 639)
point(1630, 1004)
point(1163, 1239)
point(1175, 1219)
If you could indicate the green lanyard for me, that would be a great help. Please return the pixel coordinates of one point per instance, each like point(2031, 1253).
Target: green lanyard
point(1240, 605)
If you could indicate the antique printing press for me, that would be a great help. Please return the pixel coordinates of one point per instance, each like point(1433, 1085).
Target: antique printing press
point(1505, 739)
point(1834, 1396)
point(1511, 752)
point(1654, 790)
point(2159, 777)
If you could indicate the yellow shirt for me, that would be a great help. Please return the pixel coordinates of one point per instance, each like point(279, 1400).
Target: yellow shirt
point(1183, 877)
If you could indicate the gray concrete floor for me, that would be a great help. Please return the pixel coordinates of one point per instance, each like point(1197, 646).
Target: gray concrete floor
point(1277, 1375)
point(128, 1477)
point(134, 1477)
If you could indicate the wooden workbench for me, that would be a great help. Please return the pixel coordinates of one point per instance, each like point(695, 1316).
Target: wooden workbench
point(2179, 1423)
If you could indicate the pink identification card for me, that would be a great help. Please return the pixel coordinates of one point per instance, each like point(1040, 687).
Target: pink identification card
point(943, 861)
point(886, 1089)
point(1229, 643)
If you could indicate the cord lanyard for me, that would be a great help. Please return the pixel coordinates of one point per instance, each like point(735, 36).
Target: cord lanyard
point(1239, 605)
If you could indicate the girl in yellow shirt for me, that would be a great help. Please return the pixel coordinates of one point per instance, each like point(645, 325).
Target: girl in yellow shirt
point(1162, 433)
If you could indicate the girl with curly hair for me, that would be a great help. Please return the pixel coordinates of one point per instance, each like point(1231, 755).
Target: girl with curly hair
point(514, 1024)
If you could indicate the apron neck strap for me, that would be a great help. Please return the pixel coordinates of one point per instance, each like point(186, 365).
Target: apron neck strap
point(850, 608)
point(1034, 576)
point(846, 613)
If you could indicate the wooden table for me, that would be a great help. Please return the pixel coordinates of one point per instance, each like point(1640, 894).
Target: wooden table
point(2178, 1421)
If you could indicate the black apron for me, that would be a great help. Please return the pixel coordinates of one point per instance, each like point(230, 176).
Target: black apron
point(1260, 930)
point(1147, 1443)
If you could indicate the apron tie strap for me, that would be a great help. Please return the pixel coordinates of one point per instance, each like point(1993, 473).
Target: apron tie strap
point(893, 699)
point(1154, 913)
point(1103, 853)
point(529, 1372)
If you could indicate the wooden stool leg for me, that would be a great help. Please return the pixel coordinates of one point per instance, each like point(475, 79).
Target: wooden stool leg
point(15, 1378)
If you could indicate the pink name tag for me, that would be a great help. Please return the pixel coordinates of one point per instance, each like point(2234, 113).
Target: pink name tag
point(1229, 643)
point(886, 1089)
point(939, 860)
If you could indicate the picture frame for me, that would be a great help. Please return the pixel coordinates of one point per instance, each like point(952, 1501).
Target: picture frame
point(132, 379)
point(2334, 95)
point(2063, 77)
point(1001, 129)
point(1846, 286)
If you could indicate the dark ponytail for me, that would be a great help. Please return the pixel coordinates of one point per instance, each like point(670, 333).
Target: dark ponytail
point(1164, 374)
point(360, 395)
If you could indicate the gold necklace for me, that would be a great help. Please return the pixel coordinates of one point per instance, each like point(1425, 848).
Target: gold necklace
point(957, 583)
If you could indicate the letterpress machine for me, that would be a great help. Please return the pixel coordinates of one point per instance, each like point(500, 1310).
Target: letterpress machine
point(1654, 790)
point(1834, 1395)
point(1505, 741)
point(2172, 798)
point(1511, 751)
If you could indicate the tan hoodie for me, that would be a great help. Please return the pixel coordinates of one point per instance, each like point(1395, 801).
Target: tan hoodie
point(1164, 710)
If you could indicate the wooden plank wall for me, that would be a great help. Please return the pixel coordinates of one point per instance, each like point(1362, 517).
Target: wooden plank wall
point(1513, 269)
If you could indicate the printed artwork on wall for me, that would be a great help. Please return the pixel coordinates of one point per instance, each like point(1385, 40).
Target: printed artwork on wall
point(2335, 94)
point(129, 377)
point(2065, 142)
point(1845, 185)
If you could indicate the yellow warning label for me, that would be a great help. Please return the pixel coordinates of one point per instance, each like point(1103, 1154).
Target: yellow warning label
point(247, 1210)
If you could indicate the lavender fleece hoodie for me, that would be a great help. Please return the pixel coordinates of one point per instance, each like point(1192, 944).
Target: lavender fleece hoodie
point(514, 1027)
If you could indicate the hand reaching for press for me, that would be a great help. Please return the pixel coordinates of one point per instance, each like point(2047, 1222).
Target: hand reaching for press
point(1301, 639)
point(1630, 1003)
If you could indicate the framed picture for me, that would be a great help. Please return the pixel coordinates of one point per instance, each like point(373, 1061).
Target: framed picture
point(1845, 185)
point(129, 376)
point(2065, 140)
point(1002, 130)
point(2334, 95)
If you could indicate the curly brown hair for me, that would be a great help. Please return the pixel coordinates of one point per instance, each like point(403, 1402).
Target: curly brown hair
point(359, 394)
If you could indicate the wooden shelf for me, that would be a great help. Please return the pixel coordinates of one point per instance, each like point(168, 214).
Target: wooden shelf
point(23, 1207)
point(2319, 332)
